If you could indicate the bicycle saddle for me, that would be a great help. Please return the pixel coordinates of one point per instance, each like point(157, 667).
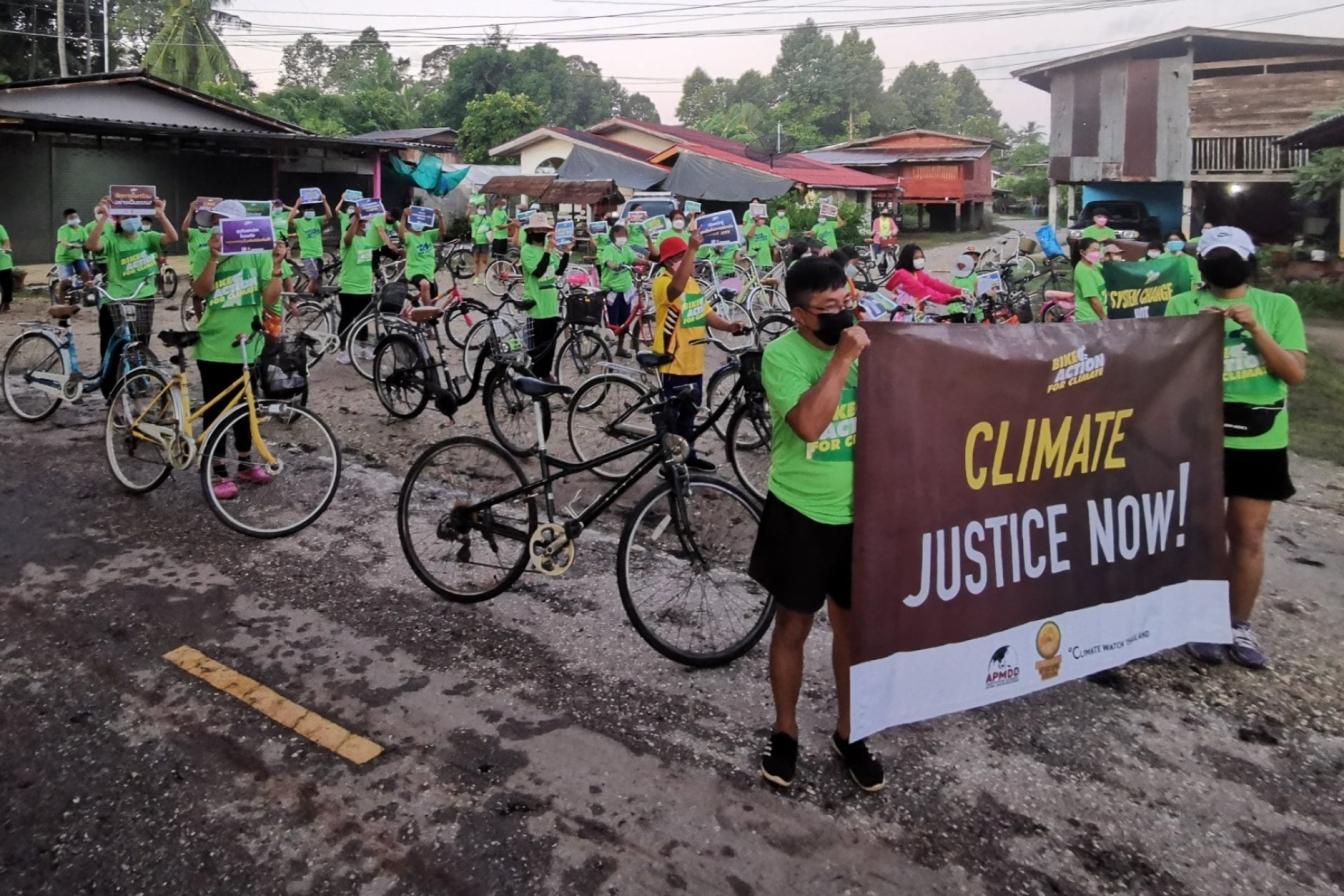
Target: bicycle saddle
point(422, 314)
point(179, 338)
point(535, 388)
point(63, 312)
point(653, 359)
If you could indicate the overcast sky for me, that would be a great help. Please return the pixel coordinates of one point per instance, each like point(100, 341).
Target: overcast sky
point(625, 38)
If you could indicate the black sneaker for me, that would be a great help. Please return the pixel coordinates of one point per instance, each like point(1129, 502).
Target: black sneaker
point(700, 465)
point(862, 765)
point(781, 762)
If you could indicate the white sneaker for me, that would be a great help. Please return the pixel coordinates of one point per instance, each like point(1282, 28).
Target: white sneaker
point(365, 353)
point(343, 358)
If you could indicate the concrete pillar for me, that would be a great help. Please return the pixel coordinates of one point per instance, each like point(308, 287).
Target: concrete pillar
point(378, 175)
point(956, 217)
point(1187, 208)
point(1052, 206)
point(1069, 211)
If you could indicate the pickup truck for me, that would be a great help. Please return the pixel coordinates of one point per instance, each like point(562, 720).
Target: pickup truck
point(1128, 218)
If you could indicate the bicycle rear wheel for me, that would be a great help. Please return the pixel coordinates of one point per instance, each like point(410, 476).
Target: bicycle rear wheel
point(499, 275)
point(300, 485)
point(748, 444)
point(608, 412)
point(718, 389)
point(167, 283)
point(582, 354)
point(137, 462)
point(399, 377)
point(461, 317)
point(312, 318)
point(33, 374)
point(364, 335)
point(462, 262)
point(463, 555)
point(682, 571)
point(191, 316)
point(509, 412)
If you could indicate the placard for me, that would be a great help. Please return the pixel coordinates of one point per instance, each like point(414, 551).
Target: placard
point(989, 284)
point(691, 207)
point(718, 228)
point(207, 202)
point(597, 227)
point(477, 199)
point(655, 225)
point(421, 215)
point(564, 232)
point(257, 207)
point(636, 217)
point(131, 200)
point(757, 210)
point(352, 196)
point(828, 210)
point(310, 196)
point(370, 208)
point(242, 236)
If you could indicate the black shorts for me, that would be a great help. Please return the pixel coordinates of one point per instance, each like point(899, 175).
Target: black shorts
point(499, 248)
point(479, 249)
point(1258, 473)
point(433, 287)
point(800, 561)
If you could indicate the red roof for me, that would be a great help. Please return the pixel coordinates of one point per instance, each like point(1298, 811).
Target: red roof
point(616, 146)
point(791, 165)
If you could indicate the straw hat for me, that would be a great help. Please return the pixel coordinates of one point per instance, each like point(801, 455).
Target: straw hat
point(539, 221)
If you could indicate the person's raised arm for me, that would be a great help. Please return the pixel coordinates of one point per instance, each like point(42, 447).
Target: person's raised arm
point(270, 294)
point(169, 231)
point(816, 409)
point(326, 211)
point(95, 240)
point(190, 216)
point(351, 228)
point(401, 224)
point(204, 284)
point(685, 267)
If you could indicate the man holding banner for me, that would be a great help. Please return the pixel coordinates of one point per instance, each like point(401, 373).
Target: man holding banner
point(803, 546)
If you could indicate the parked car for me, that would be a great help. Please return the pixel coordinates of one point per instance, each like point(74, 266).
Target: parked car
point(652, 204)
point(1128, 218)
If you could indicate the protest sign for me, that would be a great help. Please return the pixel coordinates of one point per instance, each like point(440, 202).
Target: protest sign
point(256, 207)
point(239, 236)
point(1143, 288)
point(757, 209)
point(564, 232)
point(421, 215)
point(131, 201)
point(636, 217)
point(718, 228)
point(828, 210)
point(597, 227)
point(691, 207)
point(655, 225)
point(1066, 518)
point(208, 202)
point(310, 196)
point(352, 196)
point(370, 208)
point(989, 284)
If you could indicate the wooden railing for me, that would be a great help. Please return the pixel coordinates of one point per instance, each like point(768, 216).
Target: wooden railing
point(1238, 155)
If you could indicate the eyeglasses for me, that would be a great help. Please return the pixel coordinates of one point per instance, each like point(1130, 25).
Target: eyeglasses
point(835, 307)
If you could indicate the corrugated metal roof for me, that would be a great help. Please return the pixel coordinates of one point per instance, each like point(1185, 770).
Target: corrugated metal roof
point(578, 192)
point(794, 166)
point(1323, 134)
point(415, 135)
point(861, 158)
point(518, 184)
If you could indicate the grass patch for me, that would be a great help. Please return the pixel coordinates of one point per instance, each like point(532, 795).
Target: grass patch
point(1315, 298)
point(1317, 409)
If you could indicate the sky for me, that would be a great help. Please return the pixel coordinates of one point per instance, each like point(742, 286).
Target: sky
point(633, 42)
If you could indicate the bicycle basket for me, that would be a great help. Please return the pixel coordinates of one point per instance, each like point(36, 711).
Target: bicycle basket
point(584, 308)
point(506, 345)
point(750, 367)
point(283, 368)
point(1027, 245)
point(139, 314)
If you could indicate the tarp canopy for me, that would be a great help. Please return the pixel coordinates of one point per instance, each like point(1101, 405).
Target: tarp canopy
point(699, 177)
point(531, 185)
point(590, 164)
point(579, 192)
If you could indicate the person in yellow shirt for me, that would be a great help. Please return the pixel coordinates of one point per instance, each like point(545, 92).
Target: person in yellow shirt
point(680, 317)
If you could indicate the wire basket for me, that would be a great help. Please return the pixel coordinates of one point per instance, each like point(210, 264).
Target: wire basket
point(139, 314)
point(584, 308)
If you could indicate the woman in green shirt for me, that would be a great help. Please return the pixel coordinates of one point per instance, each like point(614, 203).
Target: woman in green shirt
point(538, 259)
point(1089, 287)
point(308, 221)
point(1176, 245)
point(480, 243)
point(358, 244)
point(760, 244)
point(615, 260)
point(1264, 354)
point(417, 241)
point(6, 271)
point(132, 264)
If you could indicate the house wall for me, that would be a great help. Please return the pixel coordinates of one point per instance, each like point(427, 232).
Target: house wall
point(639, 138)
point(1271, 104)
point(918, 141)
point(532, 157)
point(1163, 200)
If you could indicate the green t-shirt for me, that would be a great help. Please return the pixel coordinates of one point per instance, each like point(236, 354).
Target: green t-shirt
point(541, 289)
point(759, 245)
point(480, 229)
point(1102, 234)
point(967, 283)
point(131, 260)
point(499, 224)
point(1246, 380)
point(6, 259)
point(101, 255)
point(1087, 282)
point(309, 232)
point(637, 235)
point(825, 231)
point(779, 226)
point(280, 220)
point(618, 281)
point(1192, 265)
point(420, 252)
point(69, 234)
point(357, 264)
point(231, 307)
point(198, 249)
point(814, 478)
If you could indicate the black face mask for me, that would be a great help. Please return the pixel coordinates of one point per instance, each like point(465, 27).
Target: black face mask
point(1226, 271)
point(831, 326)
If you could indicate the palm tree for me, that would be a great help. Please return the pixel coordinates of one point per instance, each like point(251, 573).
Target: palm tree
point(187, 48)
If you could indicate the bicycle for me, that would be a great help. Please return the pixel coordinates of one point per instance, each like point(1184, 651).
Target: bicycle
point(151, 432)
point(503, 272)
point(166, 282)
point(468, 521)
point(41, 367)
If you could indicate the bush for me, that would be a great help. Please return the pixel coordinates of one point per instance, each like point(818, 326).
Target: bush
point(1315, 298)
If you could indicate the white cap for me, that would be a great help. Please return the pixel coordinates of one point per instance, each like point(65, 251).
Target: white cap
point(229, 208)
point(1234, 238)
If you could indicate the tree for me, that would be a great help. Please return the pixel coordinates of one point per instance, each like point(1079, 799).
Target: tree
point(134, 24)
point(755, 88)
point(188, 50)
point(702, 97)
point(858, 75)
point(435, 65)
point(639, 106)
point(305, 63)
point(365, 63)
point(743, 122)
point(1321, 178)
point(804, 71)
point(492, 120)
point(921, 96)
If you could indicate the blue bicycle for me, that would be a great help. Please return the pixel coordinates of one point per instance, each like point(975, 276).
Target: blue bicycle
point(41, 367)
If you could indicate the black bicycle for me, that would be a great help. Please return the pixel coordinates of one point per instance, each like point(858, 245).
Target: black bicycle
point(468, 518)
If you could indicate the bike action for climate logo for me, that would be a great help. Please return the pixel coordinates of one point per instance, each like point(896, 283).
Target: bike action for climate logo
point(1075, 367)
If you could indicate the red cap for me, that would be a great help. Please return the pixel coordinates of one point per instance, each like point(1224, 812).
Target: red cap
point(671, 248)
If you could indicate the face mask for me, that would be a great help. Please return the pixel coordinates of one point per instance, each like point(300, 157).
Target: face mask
point(620, 241)
point(202, 220)
point(919, 264)
point(1100, 221)
point(678, 224)
point(830, 326)
point(1175, 246)
point(130, 225)
point(216, 230)
point(1153, 253)
point(779, 214)
point(1092, 257)
point(309, 214)
point(1226, 272)
point(417, 227)
point(73, 221)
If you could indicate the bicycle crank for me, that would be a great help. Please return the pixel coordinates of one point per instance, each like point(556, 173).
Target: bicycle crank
point(551, 550)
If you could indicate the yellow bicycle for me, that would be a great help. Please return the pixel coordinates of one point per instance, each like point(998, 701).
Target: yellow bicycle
point(151, 431)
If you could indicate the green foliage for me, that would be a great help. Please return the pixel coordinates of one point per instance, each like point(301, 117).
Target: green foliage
point(305, 63)
point(492, 120)
point(803, 217)
point(1321, 178)
point(188, 50)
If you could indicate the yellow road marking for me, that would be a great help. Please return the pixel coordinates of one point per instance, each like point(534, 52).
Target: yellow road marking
point(281, 710)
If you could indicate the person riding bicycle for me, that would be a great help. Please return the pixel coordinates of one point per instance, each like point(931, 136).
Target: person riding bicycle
point(500, 228)
point(236, 292)
point(615, 260)
point(537, 258)
point(479, 223)
point(418, 240)
point(132, 261)
point(885, 234)
point(308, 220)
point(910, 278)
point(681, 314)
point(70, 261)
point(358, 243)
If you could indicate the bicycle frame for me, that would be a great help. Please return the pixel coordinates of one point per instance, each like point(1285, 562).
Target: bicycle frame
point(121, 337)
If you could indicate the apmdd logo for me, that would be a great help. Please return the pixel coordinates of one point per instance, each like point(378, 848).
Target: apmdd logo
point(1003, 668)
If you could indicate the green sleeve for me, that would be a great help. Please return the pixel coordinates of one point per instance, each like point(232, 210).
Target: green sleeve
point(1180, 305)
point(785, 382)
point(1088, 283)
point(155, 241)
point(1286, 328)
point(264, 263)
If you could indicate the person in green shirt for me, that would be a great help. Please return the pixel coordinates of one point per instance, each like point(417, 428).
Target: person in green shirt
point(963, 273)
point(824, 230)
point(417, 241)
point(615, 260)
point(358, 244)
point(1176, 245)
point(196, 226)
point(1099, 230)
point(97, 258)
point(676, 226)
point(779, 225)
point(236, 291)
point(760, 244)
point(500, 228)
point(308, 221)
point(132, 264)
point(639, 239)
point(804, 541)
point(479, 222)
point(1264, 355)
point(1089, 287)
point(281, 215)
point(542, 264)
point(70, 261)
point(6, 270)
point(746, 213)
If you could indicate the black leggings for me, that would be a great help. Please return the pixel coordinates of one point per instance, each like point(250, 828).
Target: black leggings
point(541, 347)
point(351, 306)
point(6, 287)
point(685, 422)
point(216, 378)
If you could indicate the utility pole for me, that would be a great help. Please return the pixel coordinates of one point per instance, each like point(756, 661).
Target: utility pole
point(88, 39)
point(779, 138)
point(60, 38)
point(107, 53)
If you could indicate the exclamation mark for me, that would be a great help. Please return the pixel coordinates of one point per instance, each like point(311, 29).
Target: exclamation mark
point(1180, 519)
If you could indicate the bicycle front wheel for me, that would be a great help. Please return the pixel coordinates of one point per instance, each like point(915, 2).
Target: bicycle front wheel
point(363, 335)
point(610, 412)
point(682, 570)
point(509, 412)
point(581, 355)
point(748, 443)
point(718, 389)
point(167, 283)
point(281, 498)
point(733, 313)
point(33, 374)
point(189, 312)
point(499, 275)
point(140, 463)
point(459, 553)
point(462, 262)
point(461, 317)
point(399, 377)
